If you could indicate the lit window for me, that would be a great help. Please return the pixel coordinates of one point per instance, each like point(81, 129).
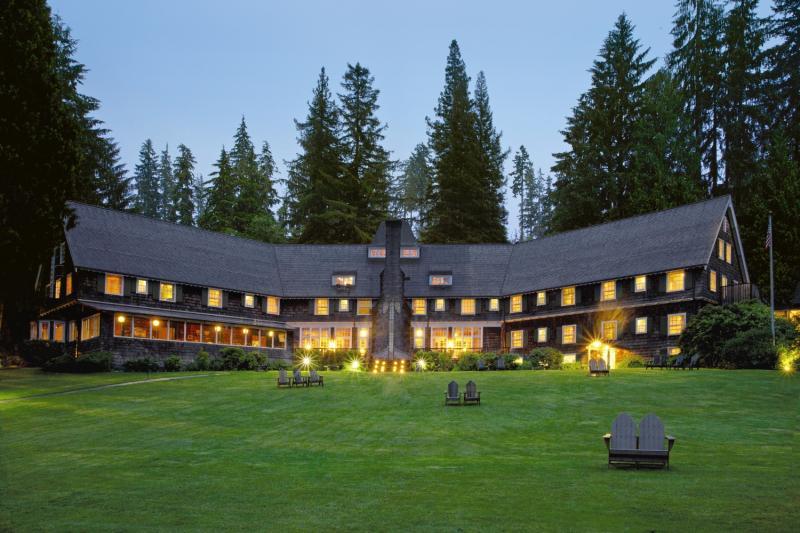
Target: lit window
point(343, 338)
point(608, 290)
point(676, 280)
point(541, 298)
point(516, 303)
point(438, 304)
point(214, 298)
point(409, 252)
point(90, 327)
point(166, 292)
point(44, 330)
point(640, 284)
point(467, 338)
point(321, 306)
point(311, 338)
point(641, 325)
point(419, 338)
point(440, 280)
point(68, 290)
point(73, 331)
point(123, 325)
point(568, 296)
point(33, 333)
point(674, 350)
point(249, 300)
point(141, 286)
point(516, 338)
point(418, 306)
point(494, 304)
point(363, 339)
point(568, 334)
point(467, 306)
point(344, 280)
point(58, 331)
point(676, 323)
point(728, 252)
point(273, 305)
point(712, 280)
point(570, 358)
point(114, 284)
point(439, 339)
point(721, 249)
point(344, 305)
point(724, 281)
point(609, 329)
point(57, 289)
point(364, 307)
point(541, 335)
point(377, 252)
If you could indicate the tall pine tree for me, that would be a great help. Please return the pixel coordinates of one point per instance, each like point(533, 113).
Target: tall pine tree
point(783, 76)
point(183, 193)
point(166, 187)
point(412, 187)
point(521, 181)
point(262, 225)
point(148, 197)
point(112, 184)
point(218, 214)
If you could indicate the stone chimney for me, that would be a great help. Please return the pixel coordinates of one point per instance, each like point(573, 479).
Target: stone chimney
point(391, 319)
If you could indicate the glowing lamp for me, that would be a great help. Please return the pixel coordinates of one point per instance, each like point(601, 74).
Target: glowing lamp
point(121, 319)
point(306, 361)
point(421, 363)
point(271, 333)
point(156, 323)
point(308, 346)
point(354, 364)
point(363, 332)
point(332, 345)
point(245, 331)
point(596, 345)
point(449, 344)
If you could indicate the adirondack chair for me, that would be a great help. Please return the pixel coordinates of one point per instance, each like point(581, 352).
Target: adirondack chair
point(480, 365)
point(315, 379)
point(451, 397)
point(298, 380)
point(677, 363)
point(624, 448)
point(694, 362)
point(501, 363)
point(621, 442)
point(597, 367)
point(283, 379)
point(472, 396)
point(652, 451)
point(656, 362)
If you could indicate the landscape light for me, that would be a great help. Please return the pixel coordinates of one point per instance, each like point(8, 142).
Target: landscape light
point(306, 361)
point(596, 344)
point(421, 363)
point(332, 345)
point(354, 364)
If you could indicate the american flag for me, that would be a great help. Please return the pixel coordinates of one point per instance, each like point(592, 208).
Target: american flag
point(768, 240)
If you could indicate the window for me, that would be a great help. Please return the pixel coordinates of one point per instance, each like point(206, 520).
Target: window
point(68, 290)
point(541, 298)
point(343, 338)
point(676, 323)
point(467, 338)
point(676, 280)
point(123, 325)
point(223, 334)
point(516, 338)
point(568, 296)
point(166, 292)
point(58, 331)
point(439, 304)
point(249, 300)
point(608, 290)
point(724, 281)
point(209, 333)
point(57, 289)
point(90, 327)
point(516, 303)
point(311, 338)
point(728, 252)
point(364, 307)
point(712, 280)
point(344, 280)
point(141, 286)
point(363, 339)
point(113, 284)
point(440, 280)
point(721, 249)
point(541, 335)
point(418, 306)
point(609, 330)
point(214, 298)
point(193, 332)
point(568, 334)
point(494, 304)
point(273, 305)
point(570, 358)
point(409, 252)
point(73, 331)
point(159, 329)
point(44, 330)
point(419, 338)
point(344, 305)
point(726, 227)
point(176, 330)
point(377, 252)
point(467, 306)
point(641, 325)
point(439, 339)
point(674, 350)
point(640, 284)
point(321, 306)
point(141, 327)
point(33, 334)
point(239, 336)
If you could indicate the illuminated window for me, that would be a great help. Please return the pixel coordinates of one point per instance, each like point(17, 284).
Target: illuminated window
point(409, 252)
point(68, 290)
point(419, 338)
point(609, 330)
point(440, 280)
point(608, 290)
point(123, 325)
point(418, 306)
point(363, 339)
point(516, 303)
point(467, 306)
point(726, 227)
point(364, 307)
point(676, 280)
point(377, 252)
point(728, 252)
point(249, 300)
point(44, 330)
point(73, 331)
point(166, 292)
point(466, 338)
point(273, 305)
point(568, 296)
point(321, 306)
point(541, 298)
point(57, 289)
point(570, 358)
point(312, 338)
point(344, 305)
point(439, 304)
point(90, 327)
point(141, 286)
point(159, 329)
point(676, 323)
point(640, 284)
point(641, 325)
point(541, 335)
point(712, 280)
point(516, 338)
point(724, 280)
point(33, 333)
point(113, 284)
point(674, 350)
point(439, 339)
point(58, 331)
point(721, 249)
point(343, 338)
point(214, 298)
point(344, 280)
point(568, 334)
point(494, 304)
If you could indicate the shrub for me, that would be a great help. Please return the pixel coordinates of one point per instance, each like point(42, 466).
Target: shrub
point(202, 361)
point(172, 363)
point(233, 358)
point(142, 364)
point(750, 349)
point(37, 353)
point(789, 358)
point(84, 364)
point(631, 361)
point(571, 366)
point(436, 361)
point(549, 358)
point(468, 361)
point(277, 364)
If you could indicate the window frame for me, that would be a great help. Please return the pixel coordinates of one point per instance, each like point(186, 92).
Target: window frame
point(161, 286)
point(418, 338)
point(121, 279)
point(670, 332)
point(363, 309)
point(57, 288)
point(541, 335)
point(568, 290)
point(87, 327)
point(139, 290)
point(670, 273)
point(446, 280)
point(468, 312)
point(541, 298)
point(415, 308)
point(346, 307)
point(574, 333)
point(515, 303)
point(604, 289)
point(638, 320)
point(251, 297)
point(319, 308)
point(439, 308)
point(603, 324)
point(636, 287)
point(713, 282)
point(219, 297)
point(343, 280)
point(517, 338)
point(729, 253)
point(721, 249)
point(68, 284)
point(494, 304)
point(273, 305)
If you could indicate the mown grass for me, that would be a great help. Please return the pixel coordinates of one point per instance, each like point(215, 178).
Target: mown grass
point(230, 451)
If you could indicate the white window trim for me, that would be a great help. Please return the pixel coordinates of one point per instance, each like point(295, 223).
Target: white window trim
point(277, 309)
point(636, 286)
point(414, 306)
point(208, 298)
point(539, 332)
point(474, 306)
point(146, 286)
point(713, 280)
point(574, 331)
point(350, 280)
point(358, 307)
point(683, 285)
point(174, 290)
point(252, 297)
point(511, 303)
point(521, 344)
point(346, 308)
point(541, 298)
point(494, 304)
point(646, 325)
point(327, 307)
point(603, 329)
point(670, 334)
point(573, 296)
point(436, 305)
point(603, 291)
point(121, 284)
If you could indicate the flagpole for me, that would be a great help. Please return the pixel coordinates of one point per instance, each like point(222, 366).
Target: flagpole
point(771, 284)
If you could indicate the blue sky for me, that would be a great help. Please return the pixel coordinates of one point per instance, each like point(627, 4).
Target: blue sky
point(186, 71)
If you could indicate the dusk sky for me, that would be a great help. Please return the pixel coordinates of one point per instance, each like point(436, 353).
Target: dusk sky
point(186, 71)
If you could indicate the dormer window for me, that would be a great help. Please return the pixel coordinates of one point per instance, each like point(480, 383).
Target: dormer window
point(409, 252)
point(440, 280)
point(343, 280)
point(113, 284)
point(249, 300)
point(377, 253)
point(214, 298)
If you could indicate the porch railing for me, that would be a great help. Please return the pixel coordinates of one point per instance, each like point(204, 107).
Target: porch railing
point(738, 293)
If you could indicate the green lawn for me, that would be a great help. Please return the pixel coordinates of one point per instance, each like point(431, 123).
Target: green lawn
point(230, 451)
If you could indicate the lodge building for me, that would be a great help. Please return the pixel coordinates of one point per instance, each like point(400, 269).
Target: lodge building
point(138, 287)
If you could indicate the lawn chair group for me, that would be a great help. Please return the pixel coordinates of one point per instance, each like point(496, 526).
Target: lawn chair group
point(470, 397)
point(681, 362)
point(298, 379)
point(647, 449)
point(597, 367)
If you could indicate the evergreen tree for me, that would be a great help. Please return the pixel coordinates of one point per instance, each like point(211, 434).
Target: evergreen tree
point(783, 74)
point(544, 225)
point(183, 194)
point(696, 62)
point(317, 208)
point(199, 197)
point(263, 196)
point(146, 176)
point(112, 184)
point(413, 184)
point(244, 168)
point(521, 180)
point(218, 214)
point(166, 188)
point(366, 178)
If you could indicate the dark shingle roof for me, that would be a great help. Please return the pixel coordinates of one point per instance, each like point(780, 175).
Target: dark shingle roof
point(112, 241)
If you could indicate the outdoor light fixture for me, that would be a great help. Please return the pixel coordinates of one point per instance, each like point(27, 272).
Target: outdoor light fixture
point(306, 361)
point(596, 345)
point(121, 319)
point(308, 346)
point(271, 333)
point(354, 364)
point(245, 331)
point(421, 363)
point(157, 323)
point(331, 345)
point(218, 328)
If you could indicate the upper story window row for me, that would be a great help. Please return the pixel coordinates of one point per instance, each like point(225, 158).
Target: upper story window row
point(343, 280)
point(322, 306)
point(406, 252)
